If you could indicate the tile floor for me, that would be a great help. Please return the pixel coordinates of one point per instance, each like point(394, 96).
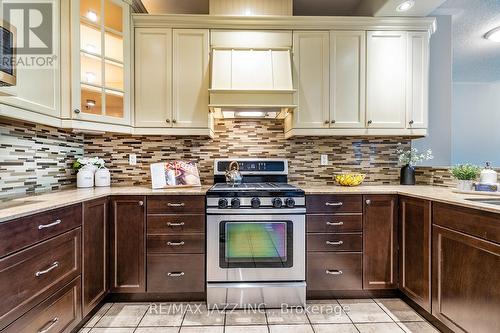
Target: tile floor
point(389, 315)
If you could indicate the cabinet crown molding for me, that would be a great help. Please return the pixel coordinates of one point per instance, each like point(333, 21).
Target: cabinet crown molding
point(286, 22)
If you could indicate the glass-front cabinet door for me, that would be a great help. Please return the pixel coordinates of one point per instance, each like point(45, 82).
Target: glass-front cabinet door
point(101, 61)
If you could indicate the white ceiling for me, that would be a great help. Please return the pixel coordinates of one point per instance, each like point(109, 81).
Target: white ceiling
point(306, 7)
point(475, 59)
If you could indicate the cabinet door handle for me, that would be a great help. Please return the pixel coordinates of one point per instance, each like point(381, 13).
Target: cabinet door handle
point(370, 122)
point(334, 272)
point(175, 243)
point(334, 242)
point(336, 204)
point(326, 122)
point(45, 271)
point(181, 204)
point(368, 202)
point(335, 223)
point(48, 326)
point(43, 226)
point(167, 121)
point(174, 121)
point(175, 274)
point(141, 203)
point(333, 121)
point(77, 111)
point(175, 224)
point(411, 122)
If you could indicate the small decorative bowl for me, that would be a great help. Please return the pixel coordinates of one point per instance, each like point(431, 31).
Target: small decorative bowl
point(350, 179)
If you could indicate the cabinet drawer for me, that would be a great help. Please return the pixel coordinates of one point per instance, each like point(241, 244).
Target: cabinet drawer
point(181, 243)
point(31, 275)
point(175, 224)
point(334, 271)
point(176, 204)
point(176, 273)
point(334, 223)
point(59, 313)
point(326, 203)
point(474, 222)
point(335, 242)
point(23, 232)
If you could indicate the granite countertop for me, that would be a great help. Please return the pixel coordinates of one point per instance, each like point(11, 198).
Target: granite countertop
point(38, 203)
point(31, 204)
point(434, 193)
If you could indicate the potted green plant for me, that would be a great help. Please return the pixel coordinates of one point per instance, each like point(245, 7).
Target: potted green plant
point(465, 174)
point(408, 158)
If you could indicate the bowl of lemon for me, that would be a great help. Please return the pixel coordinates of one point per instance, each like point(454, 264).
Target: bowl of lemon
point(349, 179)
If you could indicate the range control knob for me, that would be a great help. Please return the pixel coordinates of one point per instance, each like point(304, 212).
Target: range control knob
point(277, 202)
point(290, 202)
point(255, 202)
point(235, 203)
point(222, 203)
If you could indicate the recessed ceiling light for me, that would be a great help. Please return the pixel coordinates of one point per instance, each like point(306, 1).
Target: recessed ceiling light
point(405, 5)
point(493, 35)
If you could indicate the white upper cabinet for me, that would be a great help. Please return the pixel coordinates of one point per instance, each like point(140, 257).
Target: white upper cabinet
point(417, 83)
point(190, 78)
point(36, 95)
point(100, 60)
point(386, 79)
point(347, 79)
point(311, 70)
point(153, 77)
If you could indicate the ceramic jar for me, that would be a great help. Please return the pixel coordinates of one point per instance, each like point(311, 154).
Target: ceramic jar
point(465, 185)
point(102, 177)
point(85, 177)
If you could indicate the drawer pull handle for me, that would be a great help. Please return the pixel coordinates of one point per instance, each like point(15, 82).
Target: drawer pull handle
point(45, 271)
point(47, 327)
point(175, 274)
point(334, 272)
point(181, 204)
point(43, 226)
point(175, 243)
point(335, 204)
point(175, 224)
point(335, 223)
point(334, 243)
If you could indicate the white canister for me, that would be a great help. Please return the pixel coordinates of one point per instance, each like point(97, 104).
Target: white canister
point(85, 178)
point(102, 177)
point(488, 175)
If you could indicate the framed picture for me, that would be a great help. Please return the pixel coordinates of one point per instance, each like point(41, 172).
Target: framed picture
point(174, 174)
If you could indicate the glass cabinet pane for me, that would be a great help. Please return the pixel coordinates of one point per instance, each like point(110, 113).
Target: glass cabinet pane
point(91, 71)
point(113, 16)
point(113, 46)
point(91, 10)
point(114, 104)
point(90, 39)
point(91, 99)
point(114, 75)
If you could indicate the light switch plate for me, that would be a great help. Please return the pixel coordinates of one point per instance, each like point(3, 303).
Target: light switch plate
point(324, 159)
point(132, 159)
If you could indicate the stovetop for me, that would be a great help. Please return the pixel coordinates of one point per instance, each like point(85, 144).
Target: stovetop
point(223, 187)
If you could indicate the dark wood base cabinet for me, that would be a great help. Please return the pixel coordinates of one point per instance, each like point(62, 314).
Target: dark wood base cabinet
point(176, 273)
point(415, 250)
point(380, 242)
point(95, 253)
point(466, 281)
point(334, 271)
point(59, 313)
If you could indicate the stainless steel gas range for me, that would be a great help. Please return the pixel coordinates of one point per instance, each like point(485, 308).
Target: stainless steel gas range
point(255, 237)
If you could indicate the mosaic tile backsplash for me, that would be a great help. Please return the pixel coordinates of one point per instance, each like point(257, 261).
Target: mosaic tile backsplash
point(36, 158)
point(246, 138)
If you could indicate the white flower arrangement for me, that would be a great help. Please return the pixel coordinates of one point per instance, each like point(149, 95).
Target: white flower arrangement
point(88, 161)
point(411, 156)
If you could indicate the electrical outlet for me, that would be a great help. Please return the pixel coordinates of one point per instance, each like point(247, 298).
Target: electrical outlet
point(132, 159)
point(324, 159)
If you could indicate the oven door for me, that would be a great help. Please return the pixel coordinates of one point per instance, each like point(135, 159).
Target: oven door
point(255, 248)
